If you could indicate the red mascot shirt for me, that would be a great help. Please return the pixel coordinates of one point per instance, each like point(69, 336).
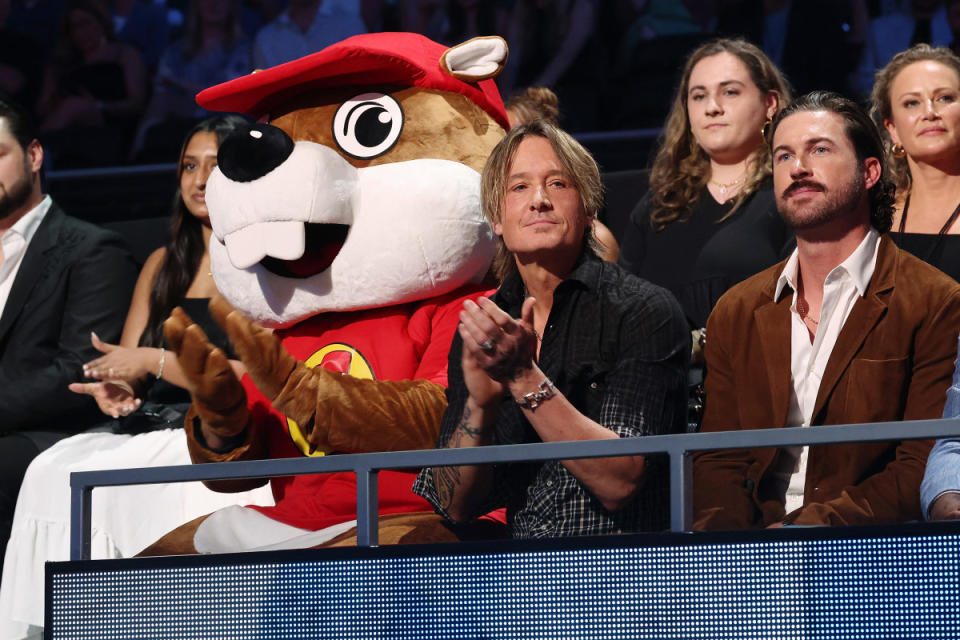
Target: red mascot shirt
point(403, 342)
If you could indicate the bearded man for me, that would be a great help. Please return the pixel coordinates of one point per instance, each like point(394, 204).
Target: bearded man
point(849, 329)
point(60, 279)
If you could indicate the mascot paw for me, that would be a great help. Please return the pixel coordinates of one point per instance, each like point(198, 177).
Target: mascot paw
point(218, 396)
point(292, 388)
point(268, 363)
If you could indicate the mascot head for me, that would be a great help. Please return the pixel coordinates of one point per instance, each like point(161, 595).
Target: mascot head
point(359, 186)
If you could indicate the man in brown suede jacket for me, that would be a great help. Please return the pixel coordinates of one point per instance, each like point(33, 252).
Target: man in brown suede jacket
point(849, 329)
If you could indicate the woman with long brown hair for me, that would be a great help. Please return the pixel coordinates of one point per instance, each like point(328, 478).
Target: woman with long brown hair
point(709, 218)
point(140, 368)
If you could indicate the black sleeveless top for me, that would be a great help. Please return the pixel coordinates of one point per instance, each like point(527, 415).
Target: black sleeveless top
point(198, 309)
point(942, 252)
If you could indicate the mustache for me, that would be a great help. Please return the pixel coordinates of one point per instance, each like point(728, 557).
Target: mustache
point(543, 215)
point(802, 184)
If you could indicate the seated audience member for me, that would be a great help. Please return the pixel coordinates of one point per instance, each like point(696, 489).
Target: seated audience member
point(849, 329)
point(532, 104)
point(142, 24)
point(616, 349)
point(139, 368)
point(918, 21)
point(305, 27)
point(953, 20)
point(916, 98)
point(557, 44)
point(141, 385)
point(20, 60)
point(709, 219)
point(37, 19)
point(213, 50)
point(541, 102)
point(651, 19)
point(783, 29)
point(91, 81)
point(465, 19)
point(940, 491)
point(60, 280)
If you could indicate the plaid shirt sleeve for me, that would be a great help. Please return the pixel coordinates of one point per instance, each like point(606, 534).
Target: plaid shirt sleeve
point(643, 393)
point(646, 393)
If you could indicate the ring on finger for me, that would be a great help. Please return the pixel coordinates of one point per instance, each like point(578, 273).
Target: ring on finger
point(488, 346)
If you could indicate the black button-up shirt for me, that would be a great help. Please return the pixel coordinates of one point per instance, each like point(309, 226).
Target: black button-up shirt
point(618, 348)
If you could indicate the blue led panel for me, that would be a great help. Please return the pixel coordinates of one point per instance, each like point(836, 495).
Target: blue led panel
point(793, 584)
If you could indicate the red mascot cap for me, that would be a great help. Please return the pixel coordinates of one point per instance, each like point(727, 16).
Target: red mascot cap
point(408, 59)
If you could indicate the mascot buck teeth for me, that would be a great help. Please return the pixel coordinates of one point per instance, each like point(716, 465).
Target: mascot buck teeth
point(348, 219)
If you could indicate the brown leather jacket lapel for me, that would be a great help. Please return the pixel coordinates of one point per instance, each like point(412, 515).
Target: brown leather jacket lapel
point(773, 325)
point(862, 320)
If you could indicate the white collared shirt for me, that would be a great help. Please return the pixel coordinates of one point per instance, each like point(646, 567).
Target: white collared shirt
point(843, 286)
point(15, 242)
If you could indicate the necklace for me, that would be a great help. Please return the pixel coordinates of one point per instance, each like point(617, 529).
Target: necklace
point(725, 186)
point(802, 307)
point(943, 230)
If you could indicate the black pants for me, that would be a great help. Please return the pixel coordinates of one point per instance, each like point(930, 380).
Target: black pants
point(17, 450)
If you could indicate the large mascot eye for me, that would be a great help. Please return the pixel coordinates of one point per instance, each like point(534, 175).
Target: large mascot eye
point(367, 125)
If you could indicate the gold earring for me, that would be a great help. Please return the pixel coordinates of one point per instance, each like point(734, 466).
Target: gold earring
point(766, 126)
point(898, 151)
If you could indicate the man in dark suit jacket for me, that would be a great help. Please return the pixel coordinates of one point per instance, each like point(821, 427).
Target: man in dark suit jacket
point(849, 329)
point(60, 279)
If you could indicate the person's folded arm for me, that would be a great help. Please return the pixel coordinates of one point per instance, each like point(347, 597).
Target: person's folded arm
point(940, 490)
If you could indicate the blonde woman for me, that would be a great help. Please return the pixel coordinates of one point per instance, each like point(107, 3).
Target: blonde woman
point(709, 219)
point(917, 99)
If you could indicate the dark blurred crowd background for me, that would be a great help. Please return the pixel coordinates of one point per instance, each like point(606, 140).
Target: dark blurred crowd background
point(112, 82)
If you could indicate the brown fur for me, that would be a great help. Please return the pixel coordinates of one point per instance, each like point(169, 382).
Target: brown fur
point(394, 528)
point(467, 136)
point(446, 126)
point(178, 542)
point(335, 410)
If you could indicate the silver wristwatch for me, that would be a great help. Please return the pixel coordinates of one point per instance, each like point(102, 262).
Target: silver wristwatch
point(534, 399)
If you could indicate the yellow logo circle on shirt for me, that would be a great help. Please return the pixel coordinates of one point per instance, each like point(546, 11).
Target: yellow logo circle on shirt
point(338, 358)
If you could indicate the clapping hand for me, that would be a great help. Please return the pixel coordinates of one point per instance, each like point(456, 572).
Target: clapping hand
point(115, 371)
point(119, 363)
point(114, 397)
point(496, 347)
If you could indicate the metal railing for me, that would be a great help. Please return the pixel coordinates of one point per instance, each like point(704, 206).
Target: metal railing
point(366, 465)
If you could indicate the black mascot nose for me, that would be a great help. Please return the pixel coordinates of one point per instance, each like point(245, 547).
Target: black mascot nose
point(253, 151)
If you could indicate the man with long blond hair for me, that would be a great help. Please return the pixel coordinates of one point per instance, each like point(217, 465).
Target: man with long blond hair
point(570, 348)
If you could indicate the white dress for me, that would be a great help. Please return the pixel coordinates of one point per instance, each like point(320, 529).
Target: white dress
point(125, 519)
